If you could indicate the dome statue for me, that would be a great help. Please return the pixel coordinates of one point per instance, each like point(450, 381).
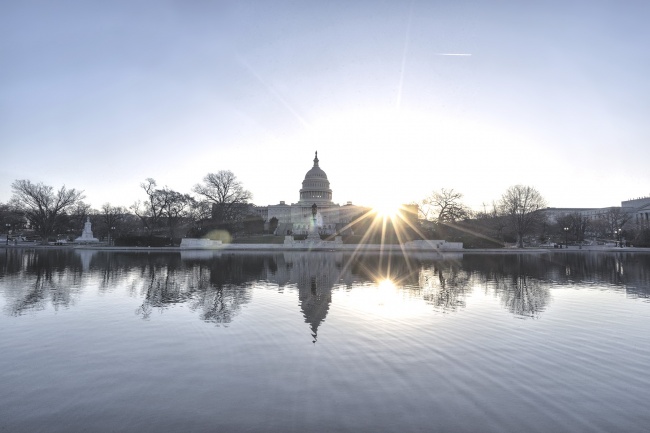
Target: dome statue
point(315, 187)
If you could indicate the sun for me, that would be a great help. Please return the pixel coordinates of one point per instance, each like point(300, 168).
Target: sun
point(387, 210)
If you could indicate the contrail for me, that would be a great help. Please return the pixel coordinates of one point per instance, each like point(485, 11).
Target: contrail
point(272, 91)
point(398, 103)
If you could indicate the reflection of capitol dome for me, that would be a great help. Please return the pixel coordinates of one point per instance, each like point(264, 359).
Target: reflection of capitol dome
point(316, 187)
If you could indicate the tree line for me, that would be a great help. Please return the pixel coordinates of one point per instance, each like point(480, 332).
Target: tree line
point(519, 217)
point(511, 218)
point(220, 204)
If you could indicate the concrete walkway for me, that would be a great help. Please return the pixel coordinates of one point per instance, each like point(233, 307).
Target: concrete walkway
point(326, 246)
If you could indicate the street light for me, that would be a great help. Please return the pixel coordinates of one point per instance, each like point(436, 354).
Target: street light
point(111, 241)
point(566, 237)
point(617, 234)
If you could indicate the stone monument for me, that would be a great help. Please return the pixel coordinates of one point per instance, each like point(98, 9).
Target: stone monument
point(87, 235)
point(313, 235)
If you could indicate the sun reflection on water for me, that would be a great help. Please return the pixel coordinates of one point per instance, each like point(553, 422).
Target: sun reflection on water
point(383, 300)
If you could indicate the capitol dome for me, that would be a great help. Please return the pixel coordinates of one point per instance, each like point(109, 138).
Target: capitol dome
point(316, 187)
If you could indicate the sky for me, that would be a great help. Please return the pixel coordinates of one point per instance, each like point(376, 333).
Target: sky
point(399, 98)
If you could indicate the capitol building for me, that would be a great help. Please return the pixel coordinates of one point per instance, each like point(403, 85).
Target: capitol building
point(297, 219)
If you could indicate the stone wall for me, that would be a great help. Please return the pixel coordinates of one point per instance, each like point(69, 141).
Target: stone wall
point(200, 244)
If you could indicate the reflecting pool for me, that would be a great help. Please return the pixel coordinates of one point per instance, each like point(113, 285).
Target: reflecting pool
point(327, 342)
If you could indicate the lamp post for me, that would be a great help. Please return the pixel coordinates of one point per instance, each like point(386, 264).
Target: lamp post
point(111, 241)
point(8, 228)
point(566, 237)
point(617, 233)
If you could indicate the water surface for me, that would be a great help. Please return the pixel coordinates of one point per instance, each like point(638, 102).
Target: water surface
point(108, 341)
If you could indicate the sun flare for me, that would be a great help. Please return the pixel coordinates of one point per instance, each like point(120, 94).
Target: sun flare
point(386, 285)
point(387, 210)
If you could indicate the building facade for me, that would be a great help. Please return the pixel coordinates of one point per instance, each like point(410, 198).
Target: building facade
point(632, 214)
point(639, 211)
point(297, 218)
point(554, 213)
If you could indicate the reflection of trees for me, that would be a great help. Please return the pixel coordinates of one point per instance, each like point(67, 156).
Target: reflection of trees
point(214, 284)
point(522, 295)
point(162, 286)
point(221, 305)
point(438, 280)
point(517, 279)
point(218, 284)
point(634, 269)
point(630, 271)
point(217, 288)
point(32, 278)
point(444, 285)
point(217, 303)
point(223, 285)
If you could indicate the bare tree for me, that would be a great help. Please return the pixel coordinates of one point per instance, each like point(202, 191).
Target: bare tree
point(201, 210)
point(77, 216)
point(493, 221)
point(43, 206)
point(614, 219)
point(579, 225)
point(520, 205)
point(163, 207)
point(151, 211)
point(445, 206)
point(175, 207)
point(11, 218)
point(573, 226)
point(112, 217)
point(226, 194)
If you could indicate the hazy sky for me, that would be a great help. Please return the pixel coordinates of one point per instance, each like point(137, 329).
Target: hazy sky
point(99, 95)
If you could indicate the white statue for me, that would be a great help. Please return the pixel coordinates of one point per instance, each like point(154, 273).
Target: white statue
point(87, 234)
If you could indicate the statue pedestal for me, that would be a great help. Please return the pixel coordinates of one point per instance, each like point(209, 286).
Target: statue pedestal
point(313, 237)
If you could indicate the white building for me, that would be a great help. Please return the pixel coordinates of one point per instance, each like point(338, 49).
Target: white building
point(297, 218)
point(639, 211)
point(636, 213)
point(593, 214)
